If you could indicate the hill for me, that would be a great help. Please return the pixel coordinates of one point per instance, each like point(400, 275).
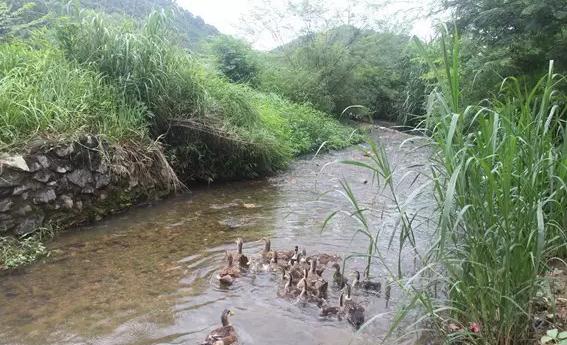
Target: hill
point(20, 17)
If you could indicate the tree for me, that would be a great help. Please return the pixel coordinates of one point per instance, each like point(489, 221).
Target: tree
point(235, 59)
point(521, 35)
point(19, 18)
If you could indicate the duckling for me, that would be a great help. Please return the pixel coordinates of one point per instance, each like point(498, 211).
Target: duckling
point(238, 256)
point(334, 310)
point(288, 255)
point(289, 290)
point(296, 268)
point(305, 296)
point(224, 335)
point(317, 269)
point(275, 264)
point(226, 275)
point(325, 259)
point(266, 253)
point(338, 277)
point(365, 284)
point(354, 312)
point(316, 283)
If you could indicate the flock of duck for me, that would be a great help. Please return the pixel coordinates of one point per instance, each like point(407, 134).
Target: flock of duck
point(302, 281)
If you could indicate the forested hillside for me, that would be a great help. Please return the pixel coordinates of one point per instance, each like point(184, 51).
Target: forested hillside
point(19, 17)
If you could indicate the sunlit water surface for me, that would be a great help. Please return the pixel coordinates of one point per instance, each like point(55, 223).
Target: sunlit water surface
point(148, 276)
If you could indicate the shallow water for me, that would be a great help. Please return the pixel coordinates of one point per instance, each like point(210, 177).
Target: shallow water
point(147, 276)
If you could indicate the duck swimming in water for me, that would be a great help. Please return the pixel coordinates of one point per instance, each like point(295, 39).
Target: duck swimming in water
point(333, 310)
point(224, 335)
point(289, 290)
point(227, 274)
point(353, 311)
point(338, 277)
point(239, 256)
point(365, 284)
point(306, 296)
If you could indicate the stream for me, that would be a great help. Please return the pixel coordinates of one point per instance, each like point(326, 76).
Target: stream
point(147, 276)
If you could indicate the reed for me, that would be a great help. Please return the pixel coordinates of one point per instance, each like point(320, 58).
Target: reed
point(499, 177)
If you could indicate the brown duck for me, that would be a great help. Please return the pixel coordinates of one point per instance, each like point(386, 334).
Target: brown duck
point(224, 335)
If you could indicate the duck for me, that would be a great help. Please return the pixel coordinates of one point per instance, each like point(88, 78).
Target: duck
point(275, 264)
point(324, 258)
point(289, 290)
point(338, 277)
point(266, 253)
point(288, 255)
point(239, 256)
point(316, 283)
point(224, 335)
point(365, 284)
point(297, 268)
point(227, 274)
point(315, 269)
point(333, 310)
point(306, 296)
point(353, 311)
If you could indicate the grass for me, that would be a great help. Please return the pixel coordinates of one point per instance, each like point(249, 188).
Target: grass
point(43, 94)
point(16, 252)
point(125, 80)
point(500, 184)
point(499, 178)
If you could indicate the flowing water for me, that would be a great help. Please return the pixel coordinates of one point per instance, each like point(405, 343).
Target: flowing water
point(148, 276)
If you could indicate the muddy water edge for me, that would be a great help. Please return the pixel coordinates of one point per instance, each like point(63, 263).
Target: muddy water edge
point(148, 276)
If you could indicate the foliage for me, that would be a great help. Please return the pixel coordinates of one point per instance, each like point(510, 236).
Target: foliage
point(499, 182)
point(553, 336)
point(235, 59)
point(20, 252)
point(43, 94)
point(509, 38)
point(19, 17)
point(340, 67)
point(141, 62)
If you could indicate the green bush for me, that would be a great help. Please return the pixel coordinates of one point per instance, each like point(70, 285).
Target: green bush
point(235, 59)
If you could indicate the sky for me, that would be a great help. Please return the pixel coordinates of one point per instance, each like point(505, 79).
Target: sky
point(228, 15)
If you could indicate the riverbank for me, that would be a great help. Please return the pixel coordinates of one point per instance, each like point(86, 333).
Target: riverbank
point(55, 186)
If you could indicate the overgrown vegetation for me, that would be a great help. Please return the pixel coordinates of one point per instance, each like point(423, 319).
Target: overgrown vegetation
point(499, 179)
point(23, 251)
point(86, 72)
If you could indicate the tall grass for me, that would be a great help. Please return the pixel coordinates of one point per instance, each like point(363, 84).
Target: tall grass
point(499, 178)
point(500, 185)
point(139, 60)
point(43, 94)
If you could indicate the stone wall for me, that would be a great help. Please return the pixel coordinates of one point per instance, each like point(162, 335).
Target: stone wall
point(66, 184)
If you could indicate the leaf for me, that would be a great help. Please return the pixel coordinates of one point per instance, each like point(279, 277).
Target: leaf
point(553, 333)
point(545, 339)
point(563, 342)
point(562, 335)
